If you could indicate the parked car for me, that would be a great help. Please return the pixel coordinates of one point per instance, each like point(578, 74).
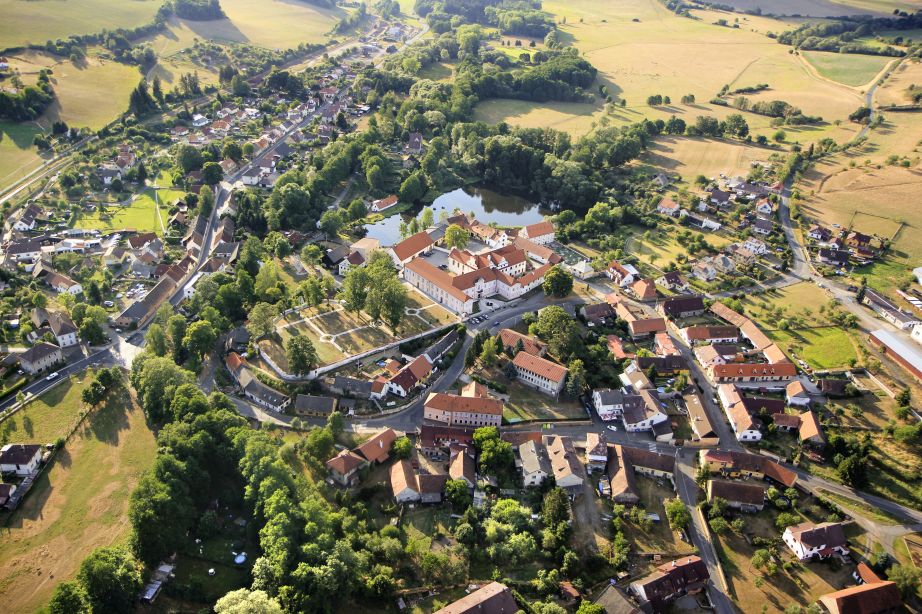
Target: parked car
point(612, 427)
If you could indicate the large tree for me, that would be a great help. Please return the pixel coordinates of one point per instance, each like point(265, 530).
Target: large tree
point(261, 320)
point(69, 598)
point(200, 338)
point(112, 579)
point(557, 282)
point(245, 601)
point(456, 236)
point(301, 355)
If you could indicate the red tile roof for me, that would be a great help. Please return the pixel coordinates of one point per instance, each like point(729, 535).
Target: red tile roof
point(540, 367)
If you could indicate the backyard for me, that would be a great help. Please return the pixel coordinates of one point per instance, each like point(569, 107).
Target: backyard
point(80, 502)
point(803, 584)
point(526, 403)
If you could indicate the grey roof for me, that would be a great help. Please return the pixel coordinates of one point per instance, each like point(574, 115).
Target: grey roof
point(253, 386)
point(610, 396)
point(39, 351)
point(314, 405)
point(352, 386)
point(534, 458)
point(442, 345)
point(19, 453)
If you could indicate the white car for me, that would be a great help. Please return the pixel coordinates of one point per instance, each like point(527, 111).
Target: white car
point(52, 376)
point(612, 427)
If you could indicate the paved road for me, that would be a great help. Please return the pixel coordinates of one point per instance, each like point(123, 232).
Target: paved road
point(102, 357)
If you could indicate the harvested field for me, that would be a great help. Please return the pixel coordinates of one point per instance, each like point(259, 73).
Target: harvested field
point(78, 87)
point(274, 24)
point(77, 505)
point(38, 21)
point(693, 156)
point(641, 49)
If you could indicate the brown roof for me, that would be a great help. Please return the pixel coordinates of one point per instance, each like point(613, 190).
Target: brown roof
point(790, 421)
point(864, 599)
point(403, 477)
point(736, 492)
point(540, 367)
point(462, 467)
point(782, 369)
point(703, 333)
point(541, 228)
point(743, 461)
point(412, 245)
point(671, 578)
point(438, 277)
point(344, 462)
point(795, 388)
point(616, 347)
point(420, 366)
point(378, 448)
point(511, 338)
point(644, 288)
point(640, 457)
point(647, 325)
point(453, 403)
point(494, 598)
point(810, 426)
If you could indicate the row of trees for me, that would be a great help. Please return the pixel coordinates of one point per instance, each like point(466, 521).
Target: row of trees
point(375, 290)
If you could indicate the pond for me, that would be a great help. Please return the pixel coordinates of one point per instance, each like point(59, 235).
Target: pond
point(487, 205)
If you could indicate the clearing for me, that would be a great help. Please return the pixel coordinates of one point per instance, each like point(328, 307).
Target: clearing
point(78, 87)
point(42, 20)
point(79, 503)
point(848, 68)
point(141, 214)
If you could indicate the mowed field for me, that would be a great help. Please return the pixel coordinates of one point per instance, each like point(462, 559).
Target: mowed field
point(78, 87)
point(824, 8)
point(17, 155)
point(81, 502)
point(37, 21)
point(641, 49)
point(693, 156)
point(848, 68)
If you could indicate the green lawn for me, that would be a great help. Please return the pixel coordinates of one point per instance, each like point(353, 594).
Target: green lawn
point(140, 215)
point(822, 348)
point(848, 68)
point(885, 275)
point(80, 503)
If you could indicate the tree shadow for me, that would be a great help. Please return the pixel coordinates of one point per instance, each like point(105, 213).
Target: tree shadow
point(107, 422)
point(19, 134)
point(217, 29)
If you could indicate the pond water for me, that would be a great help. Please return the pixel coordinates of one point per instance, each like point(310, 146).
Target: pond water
point(487, 205)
